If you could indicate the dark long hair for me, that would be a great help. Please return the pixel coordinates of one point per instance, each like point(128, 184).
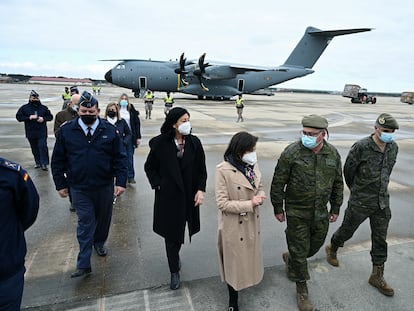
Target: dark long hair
point(172, 118)
point(240, 143)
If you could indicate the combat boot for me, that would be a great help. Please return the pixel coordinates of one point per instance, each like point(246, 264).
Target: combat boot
point(302, 298)
point(377, 280)
point(331, 258)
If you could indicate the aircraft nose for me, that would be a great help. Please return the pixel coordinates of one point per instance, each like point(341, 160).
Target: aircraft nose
point(108, 76)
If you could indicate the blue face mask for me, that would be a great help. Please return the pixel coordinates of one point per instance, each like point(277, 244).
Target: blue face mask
point(123, 103)
point(387, 137)
point(309, 141)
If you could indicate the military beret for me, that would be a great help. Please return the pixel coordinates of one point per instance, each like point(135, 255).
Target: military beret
point(386, 120)
point(34, 94)
point(314, 121)
point(74, 89)
point(87, 100)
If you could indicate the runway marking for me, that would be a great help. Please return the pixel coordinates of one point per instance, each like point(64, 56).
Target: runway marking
point(188, 295)
point(101, 304)
point(52, 252)
point(146, 300)
point(29, 263)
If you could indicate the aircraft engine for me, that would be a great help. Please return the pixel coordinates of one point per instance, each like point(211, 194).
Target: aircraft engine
point(200, 71)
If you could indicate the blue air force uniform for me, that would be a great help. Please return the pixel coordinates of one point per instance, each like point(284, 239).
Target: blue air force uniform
point(18, 211)
point(88, 169)
point(36, 132)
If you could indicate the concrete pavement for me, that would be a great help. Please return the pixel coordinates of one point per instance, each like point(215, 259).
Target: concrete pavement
point(134, 276)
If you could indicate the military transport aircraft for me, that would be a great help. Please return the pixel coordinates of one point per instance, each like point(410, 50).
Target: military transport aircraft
point(212, 80)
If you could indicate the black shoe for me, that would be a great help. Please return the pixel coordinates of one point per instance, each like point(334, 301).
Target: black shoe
point(44, 167)
point(72, 208)
point(132, 181)
point(81, 272)
point(175, 280)
point(101, 250)
point(37, 166)
point(233, 308)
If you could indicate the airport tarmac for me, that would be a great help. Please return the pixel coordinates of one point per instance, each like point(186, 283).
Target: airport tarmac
point(135, 276)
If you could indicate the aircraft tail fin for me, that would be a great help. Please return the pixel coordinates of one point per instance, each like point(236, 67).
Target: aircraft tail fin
point(312, 45)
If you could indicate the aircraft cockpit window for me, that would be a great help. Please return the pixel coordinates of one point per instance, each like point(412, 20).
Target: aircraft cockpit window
point(120, 66)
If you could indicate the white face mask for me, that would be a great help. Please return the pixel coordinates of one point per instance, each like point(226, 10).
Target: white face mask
point(185, 128)
point(250, 158)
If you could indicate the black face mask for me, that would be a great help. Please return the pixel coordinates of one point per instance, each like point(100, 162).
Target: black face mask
point(111, 114)
point(88, 119)
point(35, 103)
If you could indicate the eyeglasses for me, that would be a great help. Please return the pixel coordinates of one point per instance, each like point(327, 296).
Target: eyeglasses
point(180, 152)
point(312, 134)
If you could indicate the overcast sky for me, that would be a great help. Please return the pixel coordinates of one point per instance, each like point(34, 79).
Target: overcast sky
point(69, 38)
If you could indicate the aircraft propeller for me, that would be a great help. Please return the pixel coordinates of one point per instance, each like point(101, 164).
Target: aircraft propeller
point(199, 72)
point(181, 71)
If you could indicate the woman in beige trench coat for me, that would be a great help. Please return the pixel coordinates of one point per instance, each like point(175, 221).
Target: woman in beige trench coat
point(239, 193)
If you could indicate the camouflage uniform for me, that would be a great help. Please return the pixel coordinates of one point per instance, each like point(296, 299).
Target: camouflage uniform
point(305, 182)
point(367, 173)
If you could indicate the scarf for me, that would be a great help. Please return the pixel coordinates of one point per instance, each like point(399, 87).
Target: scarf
point(245, 169)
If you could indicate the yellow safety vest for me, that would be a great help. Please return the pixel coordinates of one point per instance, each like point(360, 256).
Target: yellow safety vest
point(169, 100)
point(239, 102)
point(149, 96)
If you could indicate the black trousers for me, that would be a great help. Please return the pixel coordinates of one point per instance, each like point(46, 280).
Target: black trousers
point(173, 255)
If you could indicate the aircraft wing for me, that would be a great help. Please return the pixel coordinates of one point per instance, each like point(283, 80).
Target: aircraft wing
point(216, 71)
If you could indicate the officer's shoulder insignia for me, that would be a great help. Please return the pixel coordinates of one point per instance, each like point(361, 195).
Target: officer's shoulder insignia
point(381, 121)
point(10, 165)
point(14, 167)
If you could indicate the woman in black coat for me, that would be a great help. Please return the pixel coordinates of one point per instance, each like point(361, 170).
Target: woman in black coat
point(176, 170)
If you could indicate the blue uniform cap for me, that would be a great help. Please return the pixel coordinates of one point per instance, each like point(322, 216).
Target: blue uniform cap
point(87, 100)
point(74, 89)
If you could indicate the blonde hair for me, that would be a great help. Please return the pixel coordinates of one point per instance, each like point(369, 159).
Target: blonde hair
point(116, 109)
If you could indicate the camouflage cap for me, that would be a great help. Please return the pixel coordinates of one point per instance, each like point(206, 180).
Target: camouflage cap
point(386, 120)
point(87, 100)
point(315, 121)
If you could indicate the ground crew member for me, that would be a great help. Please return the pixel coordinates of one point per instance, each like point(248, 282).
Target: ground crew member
point(239, 107)
point(87, 157)
point(168, 102)
point(148, 101)
point(66, 98)
point(308, 175)
point(367, 171)
point(35, 115)
point(18, 211)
